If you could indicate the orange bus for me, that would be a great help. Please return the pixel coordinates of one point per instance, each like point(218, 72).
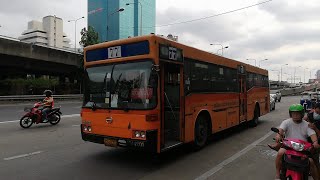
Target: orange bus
point(154, 94)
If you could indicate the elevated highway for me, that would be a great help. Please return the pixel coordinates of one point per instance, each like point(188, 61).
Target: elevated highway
point(24, 58)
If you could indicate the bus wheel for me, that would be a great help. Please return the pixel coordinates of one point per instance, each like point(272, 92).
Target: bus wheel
point(200, 133)
point(254, 122)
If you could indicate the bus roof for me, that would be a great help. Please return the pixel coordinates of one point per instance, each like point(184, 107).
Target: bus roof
point(188, 52)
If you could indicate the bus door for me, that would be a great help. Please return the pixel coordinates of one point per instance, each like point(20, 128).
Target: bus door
point(172, 108)
point(243, 93)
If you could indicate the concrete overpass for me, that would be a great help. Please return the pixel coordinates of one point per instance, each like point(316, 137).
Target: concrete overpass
point(21, 58)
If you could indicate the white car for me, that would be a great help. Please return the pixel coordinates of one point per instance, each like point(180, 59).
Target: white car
point(272, 103)
point(276, 95)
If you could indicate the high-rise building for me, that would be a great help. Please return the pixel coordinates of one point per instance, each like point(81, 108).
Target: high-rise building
point(318, 74)
point(118, 19)
point(49, 32)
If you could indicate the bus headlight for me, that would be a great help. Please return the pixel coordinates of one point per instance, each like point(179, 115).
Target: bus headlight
point(87, 128)
point(143, 134)
point(139, 134)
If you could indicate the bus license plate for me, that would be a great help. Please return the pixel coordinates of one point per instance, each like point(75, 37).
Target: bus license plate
point(110, 142)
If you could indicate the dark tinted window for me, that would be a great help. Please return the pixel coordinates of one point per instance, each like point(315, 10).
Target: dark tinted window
point(250, 80)
point(206, 77)
point(257, 80)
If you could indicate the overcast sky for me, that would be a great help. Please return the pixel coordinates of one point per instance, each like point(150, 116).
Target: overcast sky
point(282, 31)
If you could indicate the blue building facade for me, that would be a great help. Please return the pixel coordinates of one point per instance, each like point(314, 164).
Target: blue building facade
point(111, 24)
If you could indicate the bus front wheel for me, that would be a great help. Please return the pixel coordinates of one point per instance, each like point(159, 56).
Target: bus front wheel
point(254, 122)
point(200, 133)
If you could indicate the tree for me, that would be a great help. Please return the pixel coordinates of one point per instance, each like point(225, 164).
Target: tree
point(89, 37)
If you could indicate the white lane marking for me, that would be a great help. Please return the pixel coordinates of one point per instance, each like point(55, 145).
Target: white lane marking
point(64, 116)
point(22, 155)
point(5, 122)
point(71, 115)
point(218, 167)
point(76, 125)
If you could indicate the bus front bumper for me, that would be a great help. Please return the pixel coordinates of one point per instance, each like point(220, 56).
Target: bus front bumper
point(148, 145)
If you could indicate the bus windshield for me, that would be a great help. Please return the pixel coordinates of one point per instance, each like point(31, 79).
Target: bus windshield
point(121, 86)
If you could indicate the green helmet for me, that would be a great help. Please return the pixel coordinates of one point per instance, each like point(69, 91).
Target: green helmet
point(296, 108)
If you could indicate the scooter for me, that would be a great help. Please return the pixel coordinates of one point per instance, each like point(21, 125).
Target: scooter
point(295, 161)
point(34, 115)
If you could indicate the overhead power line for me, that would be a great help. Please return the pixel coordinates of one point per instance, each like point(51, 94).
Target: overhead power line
point(208, 17)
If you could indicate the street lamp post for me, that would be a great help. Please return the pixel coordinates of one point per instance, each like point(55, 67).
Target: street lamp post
point(262, 60)
point(118, 10)
point(75, 31)
point(222, 50)
point(140, 15)
point(304, 75)
point(294, 74)
point(255, 61)
point(290, 75)
point(281, 70)
point(278, 75)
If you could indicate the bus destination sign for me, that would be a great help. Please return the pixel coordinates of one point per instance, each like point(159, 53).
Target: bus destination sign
point(171, 53)
point(124, 50)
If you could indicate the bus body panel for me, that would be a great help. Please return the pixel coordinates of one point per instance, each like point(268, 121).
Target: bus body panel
point(223, 109)
point(123, 124)
point(258, 95)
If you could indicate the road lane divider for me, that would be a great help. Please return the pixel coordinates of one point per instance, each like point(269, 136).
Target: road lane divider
point(224, 163)
point(64, 116)
point(22, 156)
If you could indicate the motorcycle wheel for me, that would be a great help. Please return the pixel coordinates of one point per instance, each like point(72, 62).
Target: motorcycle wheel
point(56, 118)
point(26, 122)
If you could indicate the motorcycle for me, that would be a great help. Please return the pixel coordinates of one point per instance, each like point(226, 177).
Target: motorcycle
point(34, 115)
point(295, 161)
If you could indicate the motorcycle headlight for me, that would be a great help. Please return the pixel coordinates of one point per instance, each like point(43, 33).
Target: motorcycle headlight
point(297, 146)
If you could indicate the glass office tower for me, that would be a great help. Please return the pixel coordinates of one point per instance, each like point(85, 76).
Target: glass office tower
point(106, 17)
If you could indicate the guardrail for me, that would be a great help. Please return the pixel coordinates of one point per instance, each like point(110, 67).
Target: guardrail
point(298, 90)
point(38, 97)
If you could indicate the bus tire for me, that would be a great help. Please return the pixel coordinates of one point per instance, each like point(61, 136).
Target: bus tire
point(201, 131)
point(254, 122)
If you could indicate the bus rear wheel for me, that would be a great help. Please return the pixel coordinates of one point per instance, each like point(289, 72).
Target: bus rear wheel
point(200, 133)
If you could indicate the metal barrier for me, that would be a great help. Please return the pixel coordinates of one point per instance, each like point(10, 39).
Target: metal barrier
point(38, 97)
point(298, 90)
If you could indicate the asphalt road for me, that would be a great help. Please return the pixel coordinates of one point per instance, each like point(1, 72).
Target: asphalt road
point(10, 111)
point(57, 152)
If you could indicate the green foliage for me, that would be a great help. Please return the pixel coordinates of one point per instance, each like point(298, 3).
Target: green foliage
point(89, 37)
point(21, 86)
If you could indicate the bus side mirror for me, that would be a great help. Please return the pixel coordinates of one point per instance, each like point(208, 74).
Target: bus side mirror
point(153, 79)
